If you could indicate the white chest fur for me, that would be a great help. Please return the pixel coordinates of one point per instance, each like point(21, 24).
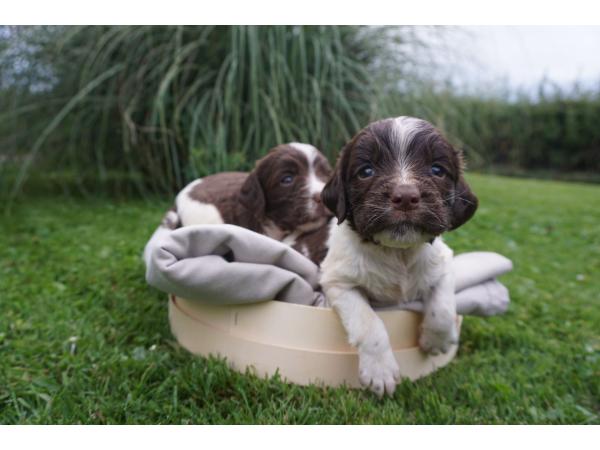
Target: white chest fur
point(386, 275)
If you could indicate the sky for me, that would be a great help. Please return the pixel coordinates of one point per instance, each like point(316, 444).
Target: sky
point(521, 56)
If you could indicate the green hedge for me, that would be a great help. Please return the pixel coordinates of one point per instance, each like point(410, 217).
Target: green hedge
point(558, 131)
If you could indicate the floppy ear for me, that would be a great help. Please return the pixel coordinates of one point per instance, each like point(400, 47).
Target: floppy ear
point(464, 205)
point(252, 200)
point(334, 193)
point(334, 197)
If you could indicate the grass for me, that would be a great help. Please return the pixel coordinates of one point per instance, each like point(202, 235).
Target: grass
point(84, 340)
point(166, 104)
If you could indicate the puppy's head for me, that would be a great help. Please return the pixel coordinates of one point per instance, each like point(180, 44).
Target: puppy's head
point(285, 188)
point(399, 183)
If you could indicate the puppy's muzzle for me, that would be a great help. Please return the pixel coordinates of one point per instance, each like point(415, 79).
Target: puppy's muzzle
point(405, 197)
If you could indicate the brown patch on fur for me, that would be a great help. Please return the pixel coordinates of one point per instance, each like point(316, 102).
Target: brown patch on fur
point(313, 244)
point(221, 190)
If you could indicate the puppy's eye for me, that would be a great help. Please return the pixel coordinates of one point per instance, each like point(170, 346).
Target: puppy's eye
point(366, 171)
point(287, 179)
point(438, 170)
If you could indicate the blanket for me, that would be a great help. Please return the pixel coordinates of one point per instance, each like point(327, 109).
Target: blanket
point(227, 264)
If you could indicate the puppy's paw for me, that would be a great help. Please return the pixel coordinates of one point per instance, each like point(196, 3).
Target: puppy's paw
point(438, 340)
point(378, 371)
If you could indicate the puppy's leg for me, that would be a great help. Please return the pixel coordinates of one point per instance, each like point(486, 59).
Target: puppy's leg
point(378, 368)
point(439, 329)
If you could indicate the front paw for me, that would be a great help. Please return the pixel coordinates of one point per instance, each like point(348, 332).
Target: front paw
point(378, 371)
point(436, 340)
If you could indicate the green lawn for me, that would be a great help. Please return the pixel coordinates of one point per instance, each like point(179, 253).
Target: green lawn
point(84, 340)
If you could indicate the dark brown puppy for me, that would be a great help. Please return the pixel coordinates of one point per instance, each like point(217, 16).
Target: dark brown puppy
point(280, 198)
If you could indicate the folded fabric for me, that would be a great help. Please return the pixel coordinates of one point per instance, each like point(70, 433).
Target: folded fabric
point(478, 293)
point(226, 264)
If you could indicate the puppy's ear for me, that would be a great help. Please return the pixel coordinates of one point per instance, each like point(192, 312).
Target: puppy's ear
point(252, 200)
point(334, 193)
point(334, 197)
point(464, 205)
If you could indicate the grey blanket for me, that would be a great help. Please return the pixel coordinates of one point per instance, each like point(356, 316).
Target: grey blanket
point(226, 264)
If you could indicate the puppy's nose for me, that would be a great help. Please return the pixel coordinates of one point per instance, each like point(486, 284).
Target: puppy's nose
point(405, 197)
point(317, 198)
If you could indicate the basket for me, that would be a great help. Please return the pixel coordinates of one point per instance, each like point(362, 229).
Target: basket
point(304, 344)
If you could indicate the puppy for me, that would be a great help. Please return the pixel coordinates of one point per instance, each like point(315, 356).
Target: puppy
point(280, 198)
point(397, 186)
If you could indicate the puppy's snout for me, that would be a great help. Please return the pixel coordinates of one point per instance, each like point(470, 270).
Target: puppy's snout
point(317, 198)
point(405, 197)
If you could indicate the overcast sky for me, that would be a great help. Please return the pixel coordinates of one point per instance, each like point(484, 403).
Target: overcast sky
point(523, 55)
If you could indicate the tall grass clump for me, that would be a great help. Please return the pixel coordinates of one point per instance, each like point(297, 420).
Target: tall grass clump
point(159, 105)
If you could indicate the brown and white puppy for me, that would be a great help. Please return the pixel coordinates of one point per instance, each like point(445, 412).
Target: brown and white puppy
point(397, 186)
point(280, 198)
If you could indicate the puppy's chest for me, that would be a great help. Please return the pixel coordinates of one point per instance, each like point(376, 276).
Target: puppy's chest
point(387, 276)
point(391, 280)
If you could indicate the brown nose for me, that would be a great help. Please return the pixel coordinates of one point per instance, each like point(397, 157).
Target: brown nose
point(317, 198)
point(405, 197)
